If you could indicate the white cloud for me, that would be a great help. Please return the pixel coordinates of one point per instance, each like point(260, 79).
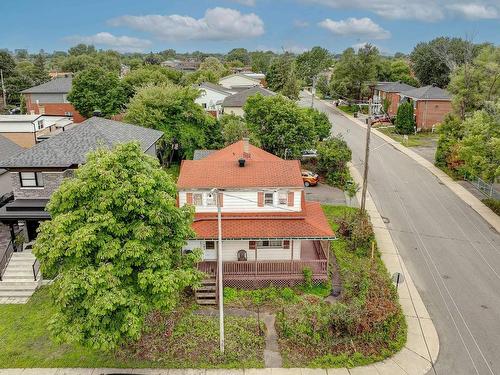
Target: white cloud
point(120, 43)
point(355, 27)
point(422, 10)
point(217, 24)
point(475, 11)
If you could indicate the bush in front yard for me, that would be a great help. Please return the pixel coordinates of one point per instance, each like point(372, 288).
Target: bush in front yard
point(405, 123)
point(333, 156)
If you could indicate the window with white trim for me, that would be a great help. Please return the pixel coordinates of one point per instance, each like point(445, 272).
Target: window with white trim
point(198, 199)
point(39, 125)
point(268, 199)
point(283, 198)
point(210, 245)
point(211, 199)
point(269, 244)
point(31, 179)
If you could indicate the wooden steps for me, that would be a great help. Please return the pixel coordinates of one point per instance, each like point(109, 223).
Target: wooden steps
point(206, 294)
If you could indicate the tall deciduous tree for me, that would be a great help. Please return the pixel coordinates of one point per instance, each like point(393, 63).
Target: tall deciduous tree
point(282, 77)
point(238, 54)
point(148, 75)
point(283, 128)
point(96, 89)
point(172, 109)
point(114, 240)
point(234, 128)
point(312, 62)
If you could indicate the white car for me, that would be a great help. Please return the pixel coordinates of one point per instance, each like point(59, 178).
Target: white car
point(308, 154)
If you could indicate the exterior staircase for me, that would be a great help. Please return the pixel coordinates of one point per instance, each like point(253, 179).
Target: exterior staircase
point(206, 294)
point(18, 281)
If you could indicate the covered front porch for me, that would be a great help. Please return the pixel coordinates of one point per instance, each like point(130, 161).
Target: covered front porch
point(255, 273)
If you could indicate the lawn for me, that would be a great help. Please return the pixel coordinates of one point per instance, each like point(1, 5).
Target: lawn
point(181, 339)
point(422, 139)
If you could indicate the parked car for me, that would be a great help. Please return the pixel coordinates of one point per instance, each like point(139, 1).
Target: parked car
point(308, 154)
point(309, 178)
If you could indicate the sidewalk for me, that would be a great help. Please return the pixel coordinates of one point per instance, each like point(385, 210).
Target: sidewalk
point(476, 204)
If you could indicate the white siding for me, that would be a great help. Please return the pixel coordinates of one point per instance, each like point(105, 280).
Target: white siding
point(230, 251)
point(246, 201)
point(29, 125)
point(212, 99)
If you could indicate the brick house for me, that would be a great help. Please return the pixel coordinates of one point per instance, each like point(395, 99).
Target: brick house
point(390, 91)
point(270, 233)
point(51, 98)
point(430, 104)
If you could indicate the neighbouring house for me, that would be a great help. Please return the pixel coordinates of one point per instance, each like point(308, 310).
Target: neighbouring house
point(234, 104)
point(55, 74)
point(190, 65)
point(211, 97)
point(389, 91)
point(37, 172)
point(7, 150)
point(239, 81)
point(51, 98)
point(28, 130)
point(270, 233)
point(430, 104)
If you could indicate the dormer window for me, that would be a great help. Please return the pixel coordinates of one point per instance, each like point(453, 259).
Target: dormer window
point(268, 199)
point(198, 199)
point(283, 198)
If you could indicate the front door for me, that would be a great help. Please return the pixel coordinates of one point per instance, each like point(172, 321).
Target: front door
point(31, 227)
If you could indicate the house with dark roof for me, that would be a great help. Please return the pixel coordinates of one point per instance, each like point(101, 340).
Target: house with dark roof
point(7, 150)
point(270, 233)
point(430, 104)
point(51, 98)
point(37, 172)
point(211, 97)
point(389, 91)
point(234, 104)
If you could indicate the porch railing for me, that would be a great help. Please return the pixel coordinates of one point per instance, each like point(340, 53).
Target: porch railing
point(5, 255)
point(36, 269)
point(266, 268)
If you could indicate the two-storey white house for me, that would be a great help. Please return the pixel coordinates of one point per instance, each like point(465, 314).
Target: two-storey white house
point(211, 97)
point(270, 233)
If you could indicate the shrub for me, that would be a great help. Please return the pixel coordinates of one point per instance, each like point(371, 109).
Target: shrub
point(333, 156)
point(405, 123)
point(307, 272)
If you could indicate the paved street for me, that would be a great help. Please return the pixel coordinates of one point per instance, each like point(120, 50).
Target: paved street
point(450, 251)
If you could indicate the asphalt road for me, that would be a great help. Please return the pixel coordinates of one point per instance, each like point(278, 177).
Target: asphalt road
point(453, 255)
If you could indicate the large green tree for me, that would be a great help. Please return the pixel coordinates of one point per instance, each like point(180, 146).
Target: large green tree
point(434, 61)
point(234, 128)
point(282, 127)
point(476, 83)
point(261, 61)
point(96, 89)
point(282, 77)
point(312, 62)
point(114, 241)
point(148, 75)
point(172, 109)
point(240, 55)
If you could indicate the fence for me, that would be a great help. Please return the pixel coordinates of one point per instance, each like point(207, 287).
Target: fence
point(484, 187)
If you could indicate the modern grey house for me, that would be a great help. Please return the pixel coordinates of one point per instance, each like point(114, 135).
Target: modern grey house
point(7, 150)
point(37, 172)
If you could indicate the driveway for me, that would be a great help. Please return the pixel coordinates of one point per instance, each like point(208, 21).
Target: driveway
point(325, 194)
point(452, 254)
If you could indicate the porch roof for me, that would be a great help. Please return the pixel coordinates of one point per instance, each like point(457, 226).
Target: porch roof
point(21, 209)
point(311, 223)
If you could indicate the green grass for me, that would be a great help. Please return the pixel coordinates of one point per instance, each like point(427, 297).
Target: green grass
point(169, 341)
point(421, 139)
point(494, 204)
point(347, 109)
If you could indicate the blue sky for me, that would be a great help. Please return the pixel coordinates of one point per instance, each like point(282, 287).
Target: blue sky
point(220, 25)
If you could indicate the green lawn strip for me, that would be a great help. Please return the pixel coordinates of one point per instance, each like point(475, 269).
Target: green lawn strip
point(182, 339)
point(494, 204)
point(367, 325)
point(414, 140)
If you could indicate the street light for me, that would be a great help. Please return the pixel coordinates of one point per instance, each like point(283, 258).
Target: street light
point(215, 192)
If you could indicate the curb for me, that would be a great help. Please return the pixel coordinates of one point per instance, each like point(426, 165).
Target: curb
point(422, 345)
point(484, 211)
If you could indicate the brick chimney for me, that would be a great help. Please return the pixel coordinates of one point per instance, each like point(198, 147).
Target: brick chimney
point(246, 148)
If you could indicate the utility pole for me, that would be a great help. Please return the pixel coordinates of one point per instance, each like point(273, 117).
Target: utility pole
point(220, 289)
point(367, 155)
point(4, 94)
point(313, 91)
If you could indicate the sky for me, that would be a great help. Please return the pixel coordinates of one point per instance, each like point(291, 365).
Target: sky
point(220, 25)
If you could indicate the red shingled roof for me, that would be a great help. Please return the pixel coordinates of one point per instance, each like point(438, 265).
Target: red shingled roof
point(310, 223)
point(221, 170)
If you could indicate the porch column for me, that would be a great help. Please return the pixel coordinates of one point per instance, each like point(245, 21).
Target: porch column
point(13, 236)
point(291, 256)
